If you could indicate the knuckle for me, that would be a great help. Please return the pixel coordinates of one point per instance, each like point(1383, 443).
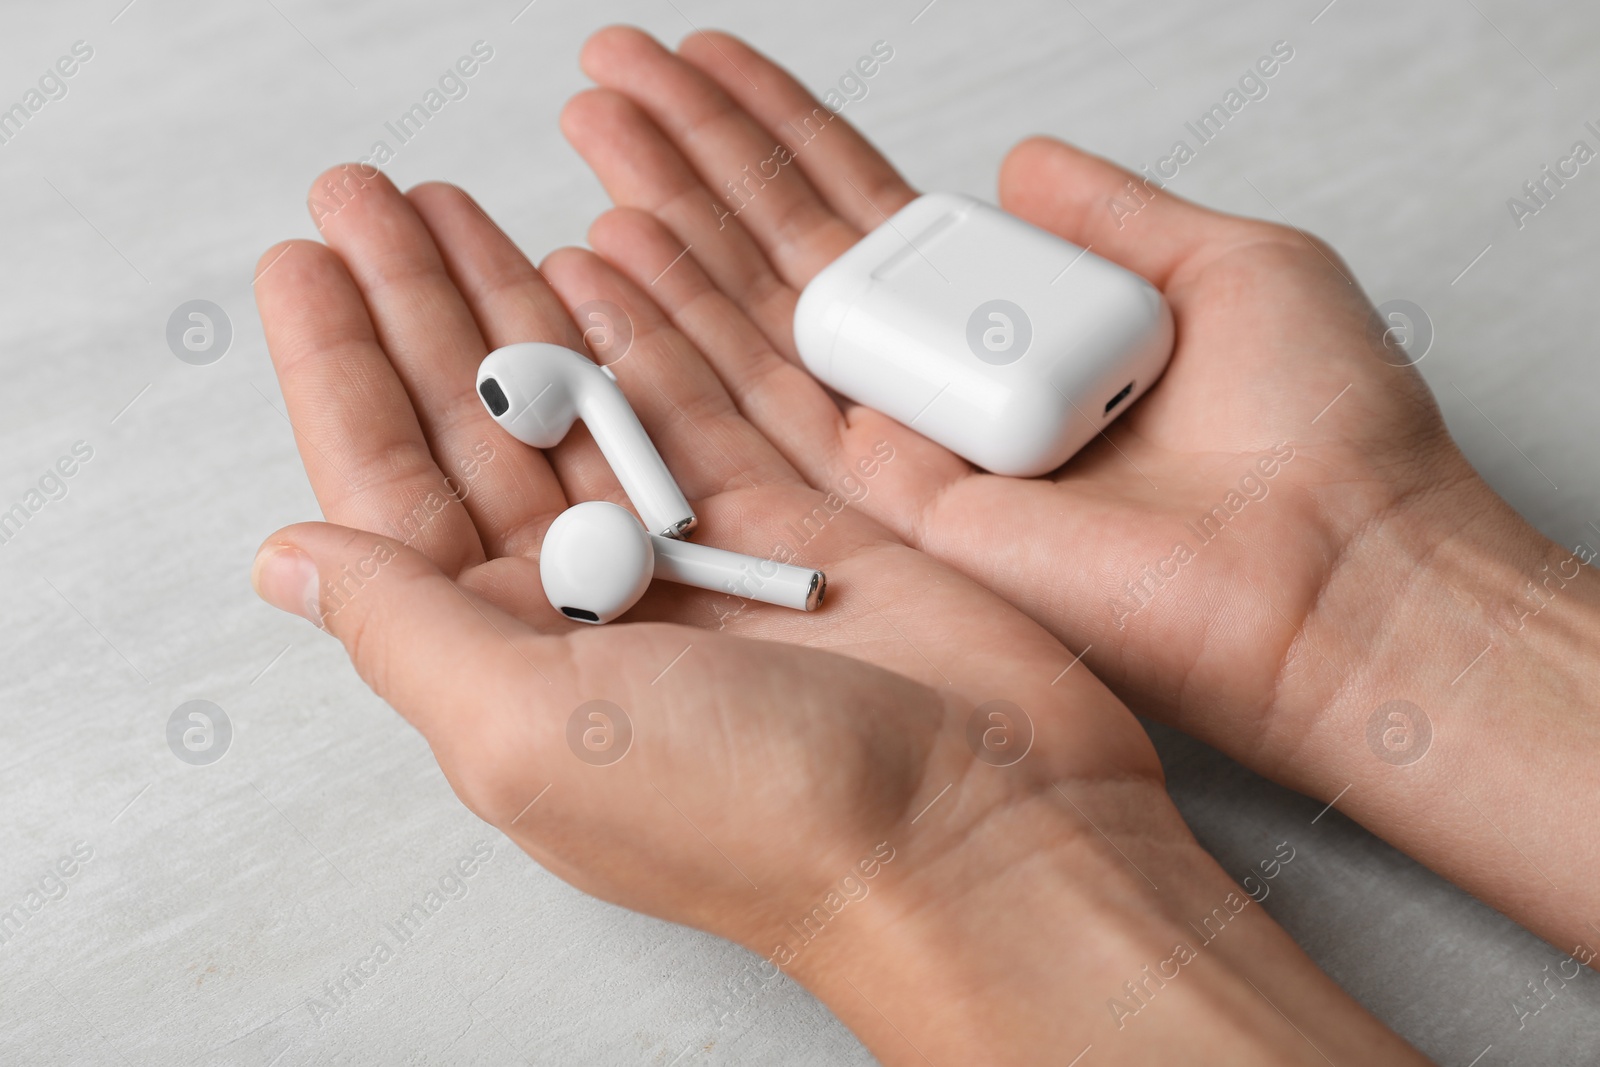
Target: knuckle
point(364, 645)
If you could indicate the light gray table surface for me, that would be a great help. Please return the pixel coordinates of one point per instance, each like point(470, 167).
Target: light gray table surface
point(219, 898)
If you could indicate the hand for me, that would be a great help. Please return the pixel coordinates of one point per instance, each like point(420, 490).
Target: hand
point(776, 759)
point(1271, 545)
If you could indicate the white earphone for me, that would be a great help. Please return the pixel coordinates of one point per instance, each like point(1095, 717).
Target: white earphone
point(597, 560)
point(537, 390)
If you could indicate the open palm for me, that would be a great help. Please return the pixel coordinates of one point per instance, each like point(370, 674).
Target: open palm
point(738, 767)
point(1194, 552)
point(725, 720)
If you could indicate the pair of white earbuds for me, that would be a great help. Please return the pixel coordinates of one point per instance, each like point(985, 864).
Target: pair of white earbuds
point(597, 560)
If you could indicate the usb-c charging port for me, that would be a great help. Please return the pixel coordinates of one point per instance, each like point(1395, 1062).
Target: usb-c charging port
point(1119, 398)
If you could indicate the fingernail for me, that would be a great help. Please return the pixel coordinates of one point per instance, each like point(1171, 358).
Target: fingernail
point(286, 578)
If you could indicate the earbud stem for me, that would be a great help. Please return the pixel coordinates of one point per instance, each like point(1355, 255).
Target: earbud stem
point(535, 390)
point(634, 459)
point(765, 580)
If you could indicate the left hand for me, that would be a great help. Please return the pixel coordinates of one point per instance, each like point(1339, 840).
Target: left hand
point(772, 751)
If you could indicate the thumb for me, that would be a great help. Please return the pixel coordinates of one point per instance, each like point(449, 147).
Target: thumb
point(1128, 218)
point(421, 642)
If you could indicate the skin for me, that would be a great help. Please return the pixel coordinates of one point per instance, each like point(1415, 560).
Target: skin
point(1371, 565)
point(776, 757)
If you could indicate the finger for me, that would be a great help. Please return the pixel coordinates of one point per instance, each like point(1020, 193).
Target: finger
point(734, 156)
point(510, 303)
point(831, 449)
point(421, 322)
point(364, 452)
point(1124, 217)
point(663, 378)
point(780, 398)
point(853, 177)
point(641, 168)
point(411, 632)
point(705, 442)
point(492, 697)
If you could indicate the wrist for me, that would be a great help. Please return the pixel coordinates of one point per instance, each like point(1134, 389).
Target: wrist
point(1042, 933)
point(1462, 648)
point(1459, 564)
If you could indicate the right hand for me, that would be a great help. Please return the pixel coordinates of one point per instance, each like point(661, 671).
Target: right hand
point(1364, 562)
point(761, 773)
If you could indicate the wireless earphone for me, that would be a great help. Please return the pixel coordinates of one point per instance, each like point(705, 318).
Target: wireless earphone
point(535, 391)
point(597, 561)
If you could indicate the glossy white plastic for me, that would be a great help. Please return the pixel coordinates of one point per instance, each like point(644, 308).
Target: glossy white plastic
point(597, 561)
point(1006, 344)
point(536, 390)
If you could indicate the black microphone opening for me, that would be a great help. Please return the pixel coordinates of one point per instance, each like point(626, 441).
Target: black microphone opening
point(581, 614)
point(494, 396)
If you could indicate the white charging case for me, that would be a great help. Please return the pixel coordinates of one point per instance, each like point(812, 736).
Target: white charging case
point(1006, 344)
